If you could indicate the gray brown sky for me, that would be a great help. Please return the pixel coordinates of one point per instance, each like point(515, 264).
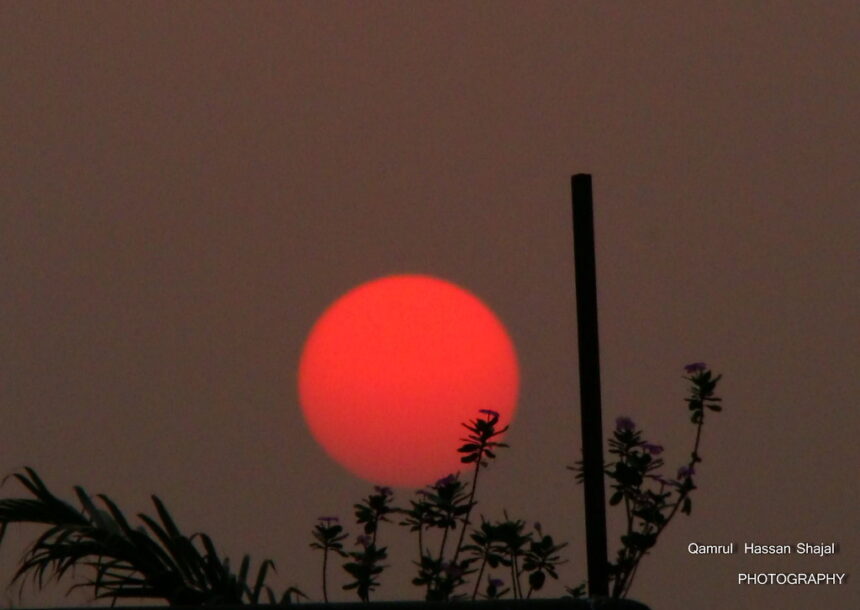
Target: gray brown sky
point(185, 187)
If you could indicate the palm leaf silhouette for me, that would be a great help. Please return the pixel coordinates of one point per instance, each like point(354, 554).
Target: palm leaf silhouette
point(153, 561)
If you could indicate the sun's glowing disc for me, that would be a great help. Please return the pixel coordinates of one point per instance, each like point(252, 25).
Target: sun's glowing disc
point(393, 367)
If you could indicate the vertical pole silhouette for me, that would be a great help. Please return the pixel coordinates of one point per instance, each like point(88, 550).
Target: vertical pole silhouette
point(589, 385)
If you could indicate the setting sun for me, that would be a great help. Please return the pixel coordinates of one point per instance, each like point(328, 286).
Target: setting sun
point(392, 368)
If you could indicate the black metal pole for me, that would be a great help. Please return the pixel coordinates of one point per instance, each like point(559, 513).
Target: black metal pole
point(589, 385)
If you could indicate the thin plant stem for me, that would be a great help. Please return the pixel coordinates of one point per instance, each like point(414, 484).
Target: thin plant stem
point(478, 580)
point(621, 587)
point(442, 546)
point(618, 584)
point(466, 521)
point(325, 565)
point(514, 577)
point(631, 576)
point(517, 574)
point(694, 458)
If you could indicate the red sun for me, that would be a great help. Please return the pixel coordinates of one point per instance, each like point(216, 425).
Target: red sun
point(392, 368)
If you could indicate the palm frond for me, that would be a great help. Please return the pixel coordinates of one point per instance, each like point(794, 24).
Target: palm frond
point(153, 561)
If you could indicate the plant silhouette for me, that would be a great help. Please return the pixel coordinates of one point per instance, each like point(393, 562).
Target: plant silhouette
point(153, 561)
point(157, 561)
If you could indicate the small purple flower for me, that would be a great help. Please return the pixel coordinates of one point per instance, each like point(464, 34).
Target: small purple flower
point(451, 570)
point(363, 541)
point(661, 479)
point(695, 367)
point(328, 520)
point(652, 448)
point(489, 412)
point(385, 491)
point(496, 582)
point(685, 472)
point(449, 480)
point(623, 424)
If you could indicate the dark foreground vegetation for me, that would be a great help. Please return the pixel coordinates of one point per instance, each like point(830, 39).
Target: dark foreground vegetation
point(460, 560)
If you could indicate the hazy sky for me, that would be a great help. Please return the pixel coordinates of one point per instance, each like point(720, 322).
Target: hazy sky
point(185, 187)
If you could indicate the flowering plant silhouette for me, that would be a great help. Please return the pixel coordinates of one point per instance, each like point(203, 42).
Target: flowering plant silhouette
point(446, 503)
point(158, 561)
point(651, 499)
point(366, 566)
point(329, 537)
